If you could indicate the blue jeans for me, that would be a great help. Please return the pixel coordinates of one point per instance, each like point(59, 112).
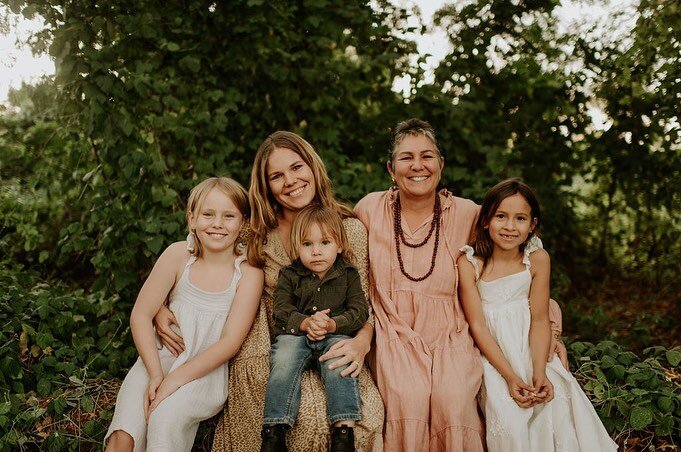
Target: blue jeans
point(289, 357)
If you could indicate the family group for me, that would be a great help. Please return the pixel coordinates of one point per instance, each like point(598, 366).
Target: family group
point(417, 321)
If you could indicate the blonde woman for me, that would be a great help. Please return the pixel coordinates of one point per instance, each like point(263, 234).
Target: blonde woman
point(287, 176)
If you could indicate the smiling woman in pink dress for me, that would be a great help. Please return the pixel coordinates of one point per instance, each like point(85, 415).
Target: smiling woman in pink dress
point(425, 363)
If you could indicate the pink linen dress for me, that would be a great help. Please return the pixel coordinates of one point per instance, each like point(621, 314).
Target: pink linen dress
point(427, 369)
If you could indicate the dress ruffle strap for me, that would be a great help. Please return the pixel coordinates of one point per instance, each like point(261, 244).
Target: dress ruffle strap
point(533, 245)
point(469, 251)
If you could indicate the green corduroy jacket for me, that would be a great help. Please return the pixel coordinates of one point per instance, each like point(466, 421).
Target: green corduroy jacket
point(300, 293)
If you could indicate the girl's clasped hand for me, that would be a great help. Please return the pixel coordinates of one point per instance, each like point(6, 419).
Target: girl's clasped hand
point(526, 396)
point(504, 247)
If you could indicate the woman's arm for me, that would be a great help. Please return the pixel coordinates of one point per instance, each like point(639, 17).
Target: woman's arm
point(237, 326)
point(540, 331)
point(472, 307)
point(557, 347)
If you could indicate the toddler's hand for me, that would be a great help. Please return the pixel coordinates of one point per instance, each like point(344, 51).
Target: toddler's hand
point(315, 329)
point(319, 325)
point(522, 393)
point(323, 320)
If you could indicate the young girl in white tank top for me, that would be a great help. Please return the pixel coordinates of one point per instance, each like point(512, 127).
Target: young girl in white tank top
point(214, 295)
point(529, 405)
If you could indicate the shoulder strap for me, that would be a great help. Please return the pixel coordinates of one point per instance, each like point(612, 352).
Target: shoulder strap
point(469, 251)
point(533, 245)
point(185, 271)
point(237, 267)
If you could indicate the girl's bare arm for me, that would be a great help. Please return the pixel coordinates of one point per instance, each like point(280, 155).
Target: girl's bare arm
point(150, 298)
point(237, 326)
point(472, 307)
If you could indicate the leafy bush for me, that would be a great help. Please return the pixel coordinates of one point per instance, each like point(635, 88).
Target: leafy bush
point(639, 401)
point(59, 348)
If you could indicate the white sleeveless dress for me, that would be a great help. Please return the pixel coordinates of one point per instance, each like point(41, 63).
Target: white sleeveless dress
point(173, 424)
point(569, 422)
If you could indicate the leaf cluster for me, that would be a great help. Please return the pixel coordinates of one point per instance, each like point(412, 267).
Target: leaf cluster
point(57, 345)
point(634, 397)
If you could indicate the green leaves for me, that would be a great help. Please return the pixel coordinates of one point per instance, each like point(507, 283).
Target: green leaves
point(52, 350)
point(673, 357)
point(640, 417)
point(638, 399)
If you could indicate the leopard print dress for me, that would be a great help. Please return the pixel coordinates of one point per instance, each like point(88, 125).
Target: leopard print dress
point(239, 426)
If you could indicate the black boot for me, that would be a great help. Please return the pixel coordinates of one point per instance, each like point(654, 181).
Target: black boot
point(342, 439)
point(274, 438)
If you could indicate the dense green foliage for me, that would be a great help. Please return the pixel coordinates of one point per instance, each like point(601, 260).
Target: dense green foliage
point(66, 342)
point(632, 396)
point(95, 166)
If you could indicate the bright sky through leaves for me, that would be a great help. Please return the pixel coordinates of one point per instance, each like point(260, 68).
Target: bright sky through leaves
point(19, 64)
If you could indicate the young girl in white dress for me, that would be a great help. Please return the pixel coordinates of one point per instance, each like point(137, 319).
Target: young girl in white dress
point(214, 295)
point(529, 404)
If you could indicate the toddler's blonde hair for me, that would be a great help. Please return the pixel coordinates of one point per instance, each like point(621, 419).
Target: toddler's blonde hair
point(328, 220)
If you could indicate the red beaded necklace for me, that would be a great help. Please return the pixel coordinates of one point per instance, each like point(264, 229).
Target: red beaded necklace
point(399, 236)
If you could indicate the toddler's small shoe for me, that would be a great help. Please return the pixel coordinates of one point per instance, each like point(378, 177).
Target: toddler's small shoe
point(274, 438)
point(342, 439)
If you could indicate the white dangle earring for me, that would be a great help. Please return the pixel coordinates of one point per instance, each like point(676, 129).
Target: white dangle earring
point(191, 242)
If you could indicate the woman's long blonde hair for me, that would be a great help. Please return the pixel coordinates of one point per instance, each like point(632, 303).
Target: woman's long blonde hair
point(234, 191)
point(265, 208)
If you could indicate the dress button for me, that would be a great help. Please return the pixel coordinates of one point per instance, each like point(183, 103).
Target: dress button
point(314, 308)
point(292, 330)
point(318, 289)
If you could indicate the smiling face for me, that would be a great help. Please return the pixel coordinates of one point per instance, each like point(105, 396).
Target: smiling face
point(216, 222)
point(290, 179)
point(512, 222)
point(416, 166)
point(318, 250)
